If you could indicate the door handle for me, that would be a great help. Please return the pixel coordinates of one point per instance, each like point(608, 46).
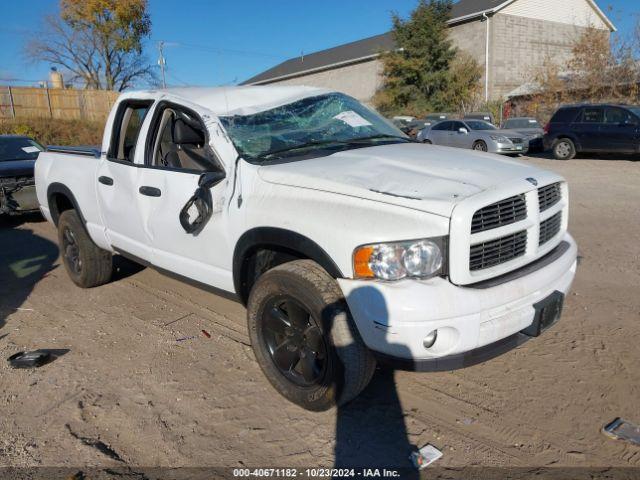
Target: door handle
point(105, 180)
point(150, 191)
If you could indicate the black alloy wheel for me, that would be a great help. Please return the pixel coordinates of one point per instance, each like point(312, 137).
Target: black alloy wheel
point(71, 251)
point(294, 341)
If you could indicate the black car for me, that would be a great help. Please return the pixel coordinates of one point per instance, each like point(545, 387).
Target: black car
point(18, 156)
point(593, 128)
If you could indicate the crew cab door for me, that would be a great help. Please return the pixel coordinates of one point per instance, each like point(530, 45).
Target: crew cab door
point(458, 138)
point(118, 181)
point(588, 128)
point(178, 154)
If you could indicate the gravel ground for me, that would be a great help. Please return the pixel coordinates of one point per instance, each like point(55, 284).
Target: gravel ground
point(128, 393)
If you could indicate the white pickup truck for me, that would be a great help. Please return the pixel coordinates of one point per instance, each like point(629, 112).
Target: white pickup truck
point(347, 242)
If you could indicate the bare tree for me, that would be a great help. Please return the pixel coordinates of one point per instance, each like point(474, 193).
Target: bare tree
point(598, 70)
point(98, 42)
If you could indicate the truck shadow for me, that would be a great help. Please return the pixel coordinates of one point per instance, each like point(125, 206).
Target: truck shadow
point(124, 268)
point(25, 258)
point(371, 430)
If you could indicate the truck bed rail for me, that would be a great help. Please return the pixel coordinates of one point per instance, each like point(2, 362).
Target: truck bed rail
point(86, 151)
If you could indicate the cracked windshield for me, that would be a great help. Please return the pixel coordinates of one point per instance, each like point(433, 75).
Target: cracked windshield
point(326, 122)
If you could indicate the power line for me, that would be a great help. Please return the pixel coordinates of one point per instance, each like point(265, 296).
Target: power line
point(217, 50)
point(177, 79)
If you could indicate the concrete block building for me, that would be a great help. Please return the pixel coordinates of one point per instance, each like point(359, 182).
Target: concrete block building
point(508, 38)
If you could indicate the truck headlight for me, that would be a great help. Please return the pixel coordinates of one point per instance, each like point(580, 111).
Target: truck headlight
point(397, 260)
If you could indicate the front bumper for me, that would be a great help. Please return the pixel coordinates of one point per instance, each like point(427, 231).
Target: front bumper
point(511, 148)
point(17, 196)
point(536, 144)
point(393, 318)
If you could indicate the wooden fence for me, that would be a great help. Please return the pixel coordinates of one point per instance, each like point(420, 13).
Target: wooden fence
point(28, 102)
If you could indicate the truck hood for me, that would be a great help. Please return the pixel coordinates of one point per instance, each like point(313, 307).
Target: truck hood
point(17, 168)
point(423, 177)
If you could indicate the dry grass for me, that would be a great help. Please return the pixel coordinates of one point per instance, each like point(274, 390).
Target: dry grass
point(56, 132)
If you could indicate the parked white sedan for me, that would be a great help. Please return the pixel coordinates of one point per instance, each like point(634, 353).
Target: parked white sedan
point(476, 135)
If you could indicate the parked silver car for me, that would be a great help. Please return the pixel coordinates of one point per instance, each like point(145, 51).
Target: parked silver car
point(529, 128)
point(477, 135)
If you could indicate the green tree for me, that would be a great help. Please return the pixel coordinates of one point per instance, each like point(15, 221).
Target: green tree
point(97, 42)
point(425, 72)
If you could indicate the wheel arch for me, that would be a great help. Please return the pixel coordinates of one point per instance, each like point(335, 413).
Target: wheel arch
point(59, 199)
point(263, 248)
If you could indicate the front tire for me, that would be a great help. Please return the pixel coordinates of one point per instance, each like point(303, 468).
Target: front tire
point(563, 149)
point(87, 264)
point(480, 146)
point(304, 338)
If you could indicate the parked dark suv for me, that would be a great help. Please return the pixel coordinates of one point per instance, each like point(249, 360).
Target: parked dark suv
point(593, 128)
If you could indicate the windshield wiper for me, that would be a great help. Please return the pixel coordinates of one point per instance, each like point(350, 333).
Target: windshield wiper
point(316, 143)
point(324, 143)
point(377, 137)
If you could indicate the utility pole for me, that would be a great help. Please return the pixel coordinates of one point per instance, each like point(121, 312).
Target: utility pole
point(162, 62)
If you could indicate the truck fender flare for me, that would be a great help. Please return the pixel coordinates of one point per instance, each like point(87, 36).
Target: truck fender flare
point(281, 238)
point(59, 188)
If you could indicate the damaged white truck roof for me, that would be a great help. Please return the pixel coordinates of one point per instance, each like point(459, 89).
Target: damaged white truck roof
point(227, 101)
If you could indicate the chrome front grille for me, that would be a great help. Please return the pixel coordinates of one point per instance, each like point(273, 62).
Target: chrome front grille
point(499, 214)
point(515, 140)
point(511, 231)
point(548, 196)
point(550, 228)
point(495, 252)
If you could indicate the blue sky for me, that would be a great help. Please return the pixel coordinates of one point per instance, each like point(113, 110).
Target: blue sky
point(223, 42)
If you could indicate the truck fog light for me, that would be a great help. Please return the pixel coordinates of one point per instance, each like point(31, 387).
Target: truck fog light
point(430, 339)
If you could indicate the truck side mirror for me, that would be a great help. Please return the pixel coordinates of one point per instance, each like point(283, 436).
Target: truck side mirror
point(211, 179)
point(198, 210)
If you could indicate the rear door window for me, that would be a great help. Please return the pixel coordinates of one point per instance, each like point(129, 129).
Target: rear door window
point(593, 115)
point(442, 126)
point(126, 129)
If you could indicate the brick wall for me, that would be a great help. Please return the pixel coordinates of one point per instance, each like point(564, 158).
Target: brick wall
point(471, 37)
point(360, 80)
point(519, 45)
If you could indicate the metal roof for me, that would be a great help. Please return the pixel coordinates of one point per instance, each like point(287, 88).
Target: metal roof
point(348, 53)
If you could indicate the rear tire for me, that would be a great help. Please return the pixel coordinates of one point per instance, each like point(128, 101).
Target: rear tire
point(563, 149)
point(304, 338)
point(87, 264)
point(480, 146)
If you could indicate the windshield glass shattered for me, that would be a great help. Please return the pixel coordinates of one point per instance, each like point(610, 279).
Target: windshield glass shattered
point(480, 125)
point(325, 122)
point(19, 148)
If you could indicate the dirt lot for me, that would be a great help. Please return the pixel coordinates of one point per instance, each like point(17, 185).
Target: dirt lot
point(128, 393)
